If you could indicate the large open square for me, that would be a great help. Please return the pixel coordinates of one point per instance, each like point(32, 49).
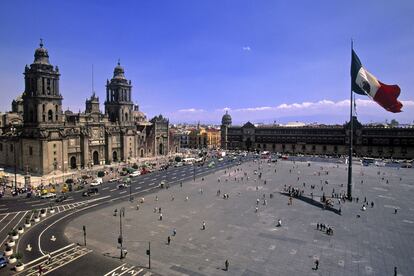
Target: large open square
point(370, 242)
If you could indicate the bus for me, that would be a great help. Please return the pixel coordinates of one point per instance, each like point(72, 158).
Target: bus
point(366, 161)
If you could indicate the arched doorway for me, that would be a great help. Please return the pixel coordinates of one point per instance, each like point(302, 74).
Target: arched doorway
point(73, 162)
point(161, 149)
point(95, 158)
point(248, 143)
point(142, 153)
point(115, 156)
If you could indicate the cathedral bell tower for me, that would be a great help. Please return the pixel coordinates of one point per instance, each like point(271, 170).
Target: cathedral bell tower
point(42, 101)
point(118, 104)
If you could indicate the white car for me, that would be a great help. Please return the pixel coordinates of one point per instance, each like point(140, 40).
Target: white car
point(96, 181)
point(134, 174)
point(48, 195)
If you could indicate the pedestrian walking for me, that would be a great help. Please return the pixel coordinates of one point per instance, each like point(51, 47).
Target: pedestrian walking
point(395, 271)
point(137, 206)
point(226, 265)
point(203, 227)
point(395, 211)
point(161, 216)
point(168, 240)
point(316, 264)
point(256, 209)
point(174, 232)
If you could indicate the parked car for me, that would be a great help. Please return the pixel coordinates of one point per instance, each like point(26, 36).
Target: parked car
point(115, 179)
point(3, 261)
point(61, 198)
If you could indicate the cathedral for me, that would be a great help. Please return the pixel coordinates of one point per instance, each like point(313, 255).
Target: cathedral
point(39, 137)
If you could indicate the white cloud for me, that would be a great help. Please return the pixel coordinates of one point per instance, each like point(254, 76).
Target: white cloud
point(190, 110)
point(323, 111)
point(246, 48)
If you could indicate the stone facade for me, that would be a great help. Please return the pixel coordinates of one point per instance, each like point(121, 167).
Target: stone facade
point(380, 142)
point(204, 138)
point(40, 138)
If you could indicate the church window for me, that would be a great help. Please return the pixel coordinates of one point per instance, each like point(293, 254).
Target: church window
point(43, 107)
point(54, 145)
point(56, 108)
point(44, 118)
point(48, 86)
point(50, 116)
point(30, 151)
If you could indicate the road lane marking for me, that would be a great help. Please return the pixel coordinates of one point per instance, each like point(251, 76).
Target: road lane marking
point(151, 184)
point(106, 188)
point(9, 222)
point(16, 225)
point(113, 190)
point(115, 269)
point(137, 188)
point(4, 217)
point(38, 204)
point(56, 221)
point(122, 192)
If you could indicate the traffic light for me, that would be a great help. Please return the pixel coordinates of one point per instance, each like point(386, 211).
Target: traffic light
point(120, 240)
point(148, 252)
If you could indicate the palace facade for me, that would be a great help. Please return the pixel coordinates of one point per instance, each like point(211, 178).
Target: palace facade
point(39, 137)
point(368, 141)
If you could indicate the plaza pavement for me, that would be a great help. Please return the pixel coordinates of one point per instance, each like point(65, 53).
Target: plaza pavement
point(371, 244)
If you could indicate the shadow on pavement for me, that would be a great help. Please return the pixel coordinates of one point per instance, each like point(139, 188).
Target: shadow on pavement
point(313, 202)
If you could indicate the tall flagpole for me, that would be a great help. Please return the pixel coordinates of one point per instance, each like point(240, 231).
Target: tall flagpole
point(351, 136)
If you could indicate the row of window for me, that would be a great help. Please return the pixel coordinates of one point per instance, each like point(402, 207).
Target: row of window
point(11, 148)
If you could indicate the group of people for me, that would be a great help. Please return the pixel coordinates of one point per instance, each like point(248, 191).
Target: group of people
point(324, 227)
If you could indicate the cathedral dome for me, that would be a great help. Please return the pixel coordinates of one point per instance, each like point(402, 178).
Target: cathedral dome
point(119, 72)
point(226, 120)
point(41, 55)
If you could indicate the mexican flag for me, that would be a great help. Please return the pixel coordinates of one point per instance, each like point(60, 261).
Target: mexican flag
point(364, 83)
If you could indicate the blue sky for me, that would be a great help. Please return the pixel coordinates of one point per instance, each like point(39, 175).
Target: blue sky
point(265, 61)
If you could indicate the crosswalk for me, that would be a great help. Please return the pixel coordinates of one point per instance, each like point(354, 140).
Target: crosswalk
point(56, 260)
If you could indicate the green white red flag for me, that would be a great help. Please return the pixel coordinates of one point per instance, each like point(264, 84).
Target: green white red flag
point(364, 83)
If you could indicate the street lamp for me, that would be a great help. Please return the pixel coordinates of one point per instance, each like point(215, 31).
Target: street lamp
point(13, 131)
point(120, 238)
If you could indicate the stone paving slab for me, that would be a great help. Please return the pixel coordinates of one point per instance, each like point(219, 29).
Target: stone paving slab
point(367, 242)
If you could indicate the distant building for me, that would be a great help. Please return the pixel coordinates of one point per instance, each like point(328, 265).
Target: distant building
point(40, 138)
point(378, 141)
point(204, 138)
